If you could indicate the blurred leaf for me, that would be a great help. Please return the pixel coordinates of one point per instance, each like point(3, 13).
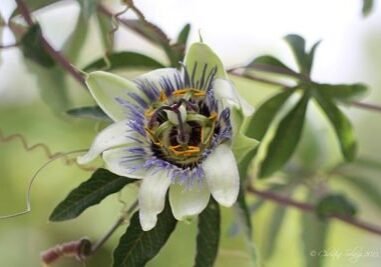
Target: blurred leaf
point(148, 30)
point(286, 138)
point(335, 204)
point(89, 112)
point(343, 92)
point(75, 42)
point(51, 85)
point(88, 7)
point(313, 236)
point(276, 221)
point(101, 184)
point(136, 247)
point(367, 7)
point(261, 120)
point(184, 34)
point(298, 47)
point(243, 220)
point(341, 124)
point(34, 5)
point(124, 60)
point(266, 62)
point(208, 237)
point(33, 49)
point(310, 57)
point(363, 185)
point(105, 27)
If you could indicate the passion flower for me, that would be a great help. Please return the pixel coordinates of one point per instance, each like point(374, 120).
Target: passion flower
point(173, 129)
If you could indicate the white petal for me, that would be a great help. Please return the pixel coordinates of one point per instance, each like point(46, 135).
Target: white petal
point(156, 76)
point(106, 87)
point(117, 162)
point(152, 197)
point(186, 202)
point(116, 134)
point(221, 174)
point(225, 91)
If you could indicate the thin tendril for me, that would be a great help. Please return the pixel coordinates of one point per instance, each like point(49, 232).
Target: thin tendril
point(32, 180)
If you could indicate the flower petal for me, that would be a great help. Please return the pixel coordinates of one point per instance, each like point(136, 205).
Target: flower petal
point(201, 54)
point(186, 202)
point(116, 134)
point(106, 87)
point(225, 91)
point(117, 161)
point(221, 174)
point(152, 197)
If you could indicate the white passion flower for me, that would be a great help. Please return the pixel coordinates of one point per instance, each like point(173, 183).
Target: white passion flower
point(174, 130)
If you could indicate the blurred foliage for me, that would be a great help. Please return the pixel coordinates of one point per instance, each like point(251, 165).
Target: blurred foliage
point(281, 121)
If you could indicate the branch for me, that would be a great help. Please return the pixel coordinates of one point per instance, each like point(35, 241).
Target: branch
point(306, 207)
point(58, 57)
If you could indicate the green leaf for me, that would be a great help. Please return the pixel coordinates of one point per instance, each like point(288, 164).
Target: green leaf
point(34, 5)
point(367, 7)
point(136, 247)
point(184, 34)
point(363, 185)
point(105, 27)
point(310, 57)
point(286, 138)
point(260, 121)
point(33, 49)
point(124, 60)
point(148, 30)
point(275, 224)
point(341, 124)
point(243, 219)
point(298, 47)
point(208, 237)
point(266, 62)
point(335, 204)
point(89, 112)
point(101, 184)
point(313, 236)
point(51, 85)
point(344, 92)
point(88, 7)
point(75, 42)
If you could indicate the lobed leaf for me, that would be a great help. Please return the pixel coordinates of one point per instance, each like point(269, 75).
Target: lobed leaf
point(298, 47)
point(266, 62)
point(124, 60)
point(136, 247)
point(286, 138)
point(261, 120)
point(208, 237)
point(275, 224)
point(344, 92)
point(101, 184)
point(341, 124)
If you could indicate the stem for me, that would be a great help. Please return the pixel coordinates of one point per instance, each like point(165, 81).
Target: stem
point(306, 207)
point(9, 46)
point(58, 57)
point(114, 227)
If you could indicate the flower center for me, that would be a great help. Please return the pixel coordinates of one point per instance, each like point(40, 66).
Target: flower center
point(181, 126)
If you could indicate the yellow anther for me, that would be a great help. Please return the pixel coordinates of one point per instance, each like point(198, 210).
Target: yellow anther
point(194, 92)
point(213, 116)
point(163, 97)
point(189, 151)
point(149, 112)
